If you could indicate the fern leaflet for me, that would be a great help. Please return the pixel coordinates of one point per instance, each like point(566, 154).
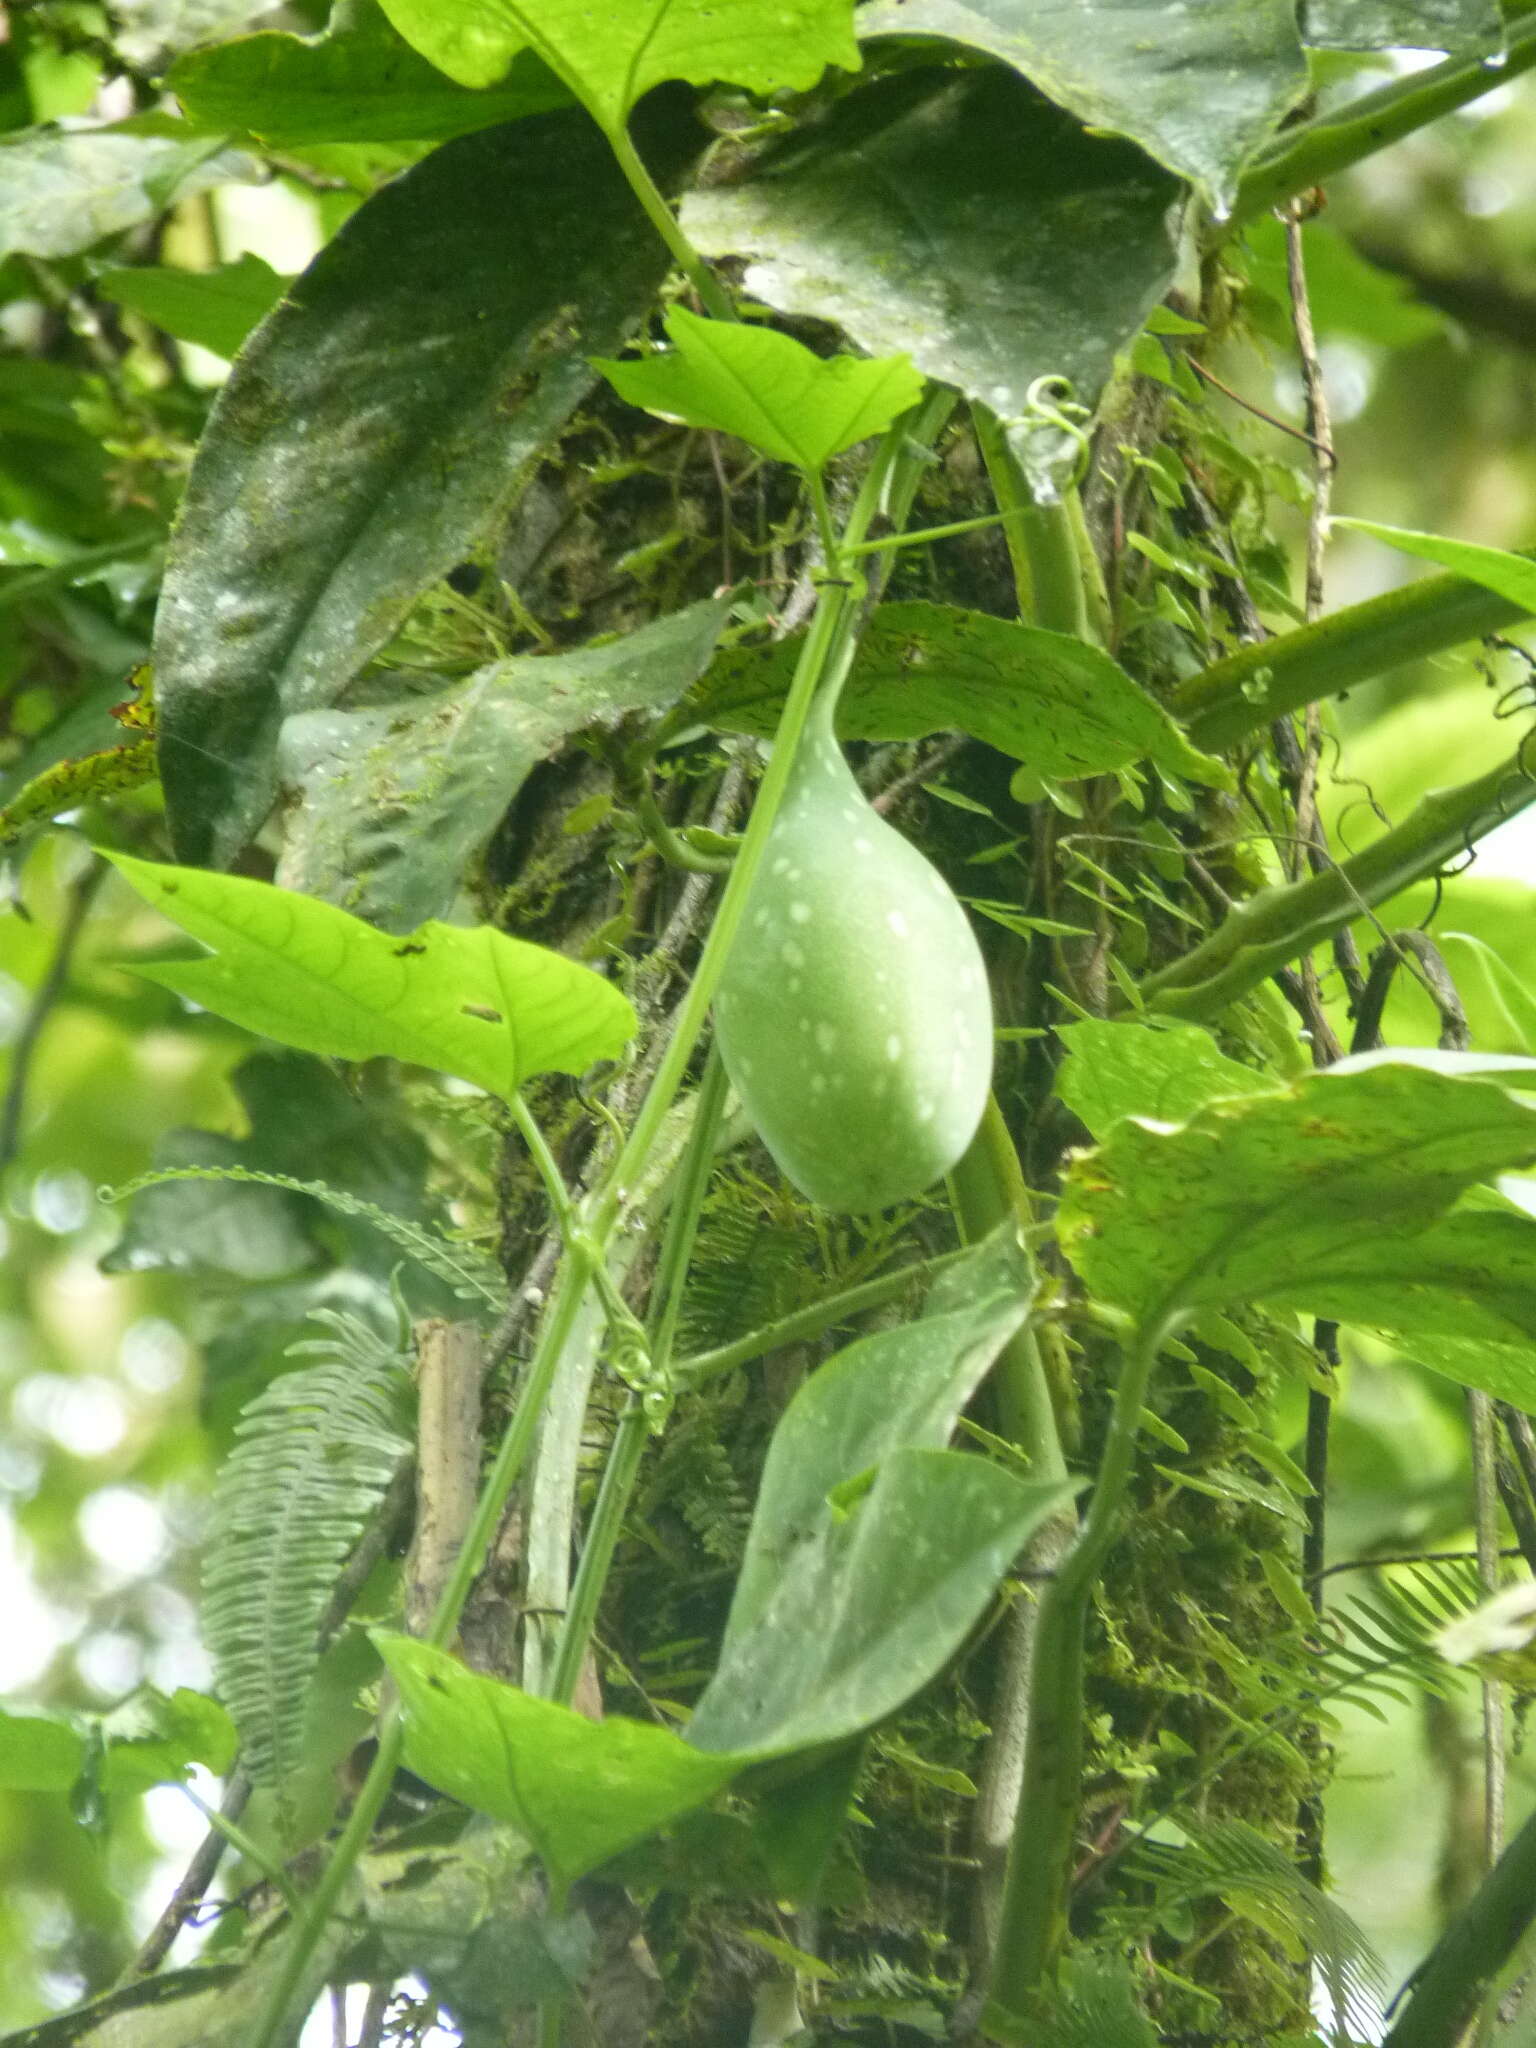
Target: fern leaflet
point(1232, 1862)
point(313, 1455)
point(469, 1273)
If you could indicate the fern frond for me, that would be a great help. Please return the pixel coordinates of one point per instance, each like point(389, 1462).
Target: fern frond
point(1388, 1635)
point(1232, 1862)
point(469, 1273)
point(313, 1455)
point(1097, 2009)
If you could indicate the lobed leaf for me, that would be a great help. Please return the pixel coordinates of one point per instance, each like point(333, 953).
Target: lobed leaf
point(766, 388)
point(468, 1001)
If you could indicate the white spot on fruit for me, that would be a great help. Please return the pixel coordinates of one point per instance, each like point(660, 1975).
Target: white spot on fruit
point(818, 1084)
point(863, 845)
point(781, 865)
point(898, 924)
point(792, 955)
point(799, 912)
point(925, 1112)
point(826, 1038)
point(893, 1048)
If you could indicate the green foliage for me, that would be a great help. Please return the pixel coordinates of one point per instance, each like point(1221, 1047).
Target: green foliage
point(471, 610)
point(215, 308)
point(277, 593)
point(472, 1277)
point(579, 1790)
point(1053, 702)
point(312, 1457)
point(1273, 1192)
point(767, 388)
point(491, 1009)
point(612, 55)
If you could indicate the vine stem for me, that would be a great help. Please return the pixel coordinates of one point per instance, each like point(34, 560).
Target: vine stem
point(665, 222)
point(825, 656)
point(1034, 1910)
point(628, 1447)
point(587, 1228)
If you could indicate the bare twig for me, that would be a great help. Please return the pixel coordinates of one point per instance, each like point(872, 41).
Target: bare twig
point(448, 1372)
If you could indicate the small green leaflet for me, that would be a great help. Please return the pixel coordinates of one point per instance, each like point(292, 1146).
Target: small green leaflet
point(467, 1000)
point(214, 308)
point(1507, 575)
point(579, 1790)
point(1284, 1190)
point(768, 389)
point(611, 52)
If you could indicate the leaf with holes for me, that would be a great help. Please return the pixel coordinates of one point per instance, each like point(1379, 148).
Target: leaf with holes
point(468, 1001)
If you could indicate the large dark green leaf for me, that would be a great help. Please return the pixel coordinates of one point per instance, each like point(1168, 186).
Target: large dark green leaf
point(1047, 699)
point(359, 82)
point(394, 798)
point(1198, 86)
point(1256, 1192)
point(963, 219)
point(62, 192)
point(375, 424)
point(1451, 25)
